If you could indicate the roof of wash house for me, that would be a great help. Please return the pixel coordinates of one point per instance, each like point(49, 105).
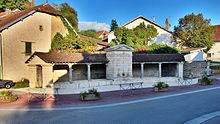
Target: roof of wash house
point(69, 57)
point(101, 58)
point(13, 18)
point(141, 17)
point(158, 58)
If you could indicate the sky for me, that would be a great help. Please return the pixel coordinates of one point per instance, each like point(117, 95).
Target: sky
point(97, 14)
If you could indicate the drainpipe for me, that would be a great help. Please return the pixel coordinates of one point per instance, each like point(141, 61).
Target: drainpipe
point(1, 53)
point(71, 26)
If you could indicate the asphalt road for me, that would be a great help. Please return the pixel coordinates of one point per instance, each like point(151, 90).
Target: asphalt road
point(173, 110)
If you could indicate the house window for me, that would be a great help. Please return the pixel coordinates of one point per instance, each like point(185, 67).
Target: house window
point(41, 28)
point(28, 48)
point(209, 55)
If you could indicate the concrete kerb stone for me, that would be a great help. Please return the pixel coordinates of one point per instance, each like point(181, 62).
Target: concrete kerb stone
point(112, 105)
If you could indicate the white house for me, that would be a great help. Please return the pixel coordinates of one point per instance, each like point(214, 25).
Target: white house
point(194, 54)
point(214, 52)
point(164, 35)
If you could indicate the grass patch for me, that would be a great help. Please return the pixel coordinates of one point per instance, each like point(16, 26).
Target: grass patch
point(21, 84)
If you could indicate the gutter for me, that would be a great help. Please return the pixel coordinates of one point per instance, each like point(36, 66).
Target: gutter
point(17, 20)
point(71, 26)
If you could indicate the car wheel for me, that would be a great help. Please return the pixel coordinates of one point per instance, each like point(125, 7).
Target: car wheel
point(7, 86)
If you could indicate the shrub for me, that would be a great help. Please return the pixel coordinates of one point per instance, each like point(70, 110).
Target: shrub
point(163, 49)
point(157, 49)
point(161, 85)
point(22, 83)
point(7, 96)
point(91, 91)
point(206, 81)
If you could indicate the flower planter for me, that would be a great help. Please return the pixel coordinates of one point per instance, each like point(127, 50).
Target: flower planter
point(8, 98)
point(160, 90)
point(204, 84)
point(89, 97)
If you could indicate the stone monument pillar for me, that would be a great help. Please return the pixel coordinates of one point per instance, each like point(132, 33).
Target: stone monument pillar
point(120, 62)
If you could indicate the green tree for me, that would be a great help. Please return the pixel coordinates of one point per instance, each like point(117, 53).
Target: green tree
point(89, 33)
point(125, 36)
point(69, 13)
point(114, 25)
point(145, 34)
point(12, 4)
point(70, 43)
point(137, 37)
point(194, 31)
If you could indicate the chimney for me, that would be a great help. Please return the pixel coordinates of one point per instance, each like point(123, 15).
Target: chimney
point(32, 3)
point(167, 24)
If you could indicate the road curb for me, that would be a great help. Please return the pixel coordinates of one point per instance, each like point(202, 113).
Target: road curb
point(110, 105)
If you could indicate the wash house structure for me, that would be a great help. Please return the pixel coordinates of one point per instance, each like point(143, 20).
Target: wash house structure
point(91, 70)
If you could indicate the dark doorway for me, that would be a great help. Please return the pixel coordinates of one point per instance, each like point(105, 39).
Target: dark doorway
point(39, 76)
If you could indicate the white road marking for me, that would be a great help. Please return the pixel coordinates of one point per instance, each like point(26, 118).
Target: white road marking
point(203, 118)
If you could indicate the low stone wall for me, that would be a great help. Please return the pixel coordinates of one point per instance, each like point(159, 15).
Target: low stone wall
point(111, 85)
point(194, 69)
point(150, 81)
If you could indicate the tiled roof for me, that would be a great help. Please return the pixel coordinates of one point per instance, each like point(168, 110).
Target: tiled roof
point(9, 20)
point(217, 33)
point(69, 57)
point(101, 32)
point(141, 17)
point(101, 58)
point(3, 14)
point(98, 41)
point(158, 58)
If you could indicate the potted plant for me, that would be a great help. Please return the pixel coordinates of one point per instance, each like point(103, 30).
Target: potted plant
point(89, 95)
point(7, 96)
point(206, 81)
point(161, 86)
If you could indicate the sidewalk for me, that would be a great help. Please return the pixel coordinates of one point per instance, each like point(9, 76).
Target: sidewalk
point(73, 100)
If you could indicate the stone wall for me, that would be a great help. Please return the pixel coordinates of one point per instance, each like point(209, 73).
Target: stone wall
point(98, 71)
point(169, 70)
point(79, 72)
point(194, 69)
point(120, 62)
point(150, 70)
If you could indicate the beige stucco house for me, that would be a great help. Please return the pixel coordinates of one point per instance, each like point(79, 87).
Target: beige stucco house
point(164, 36)
point(23, 33)
point(214, 53)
